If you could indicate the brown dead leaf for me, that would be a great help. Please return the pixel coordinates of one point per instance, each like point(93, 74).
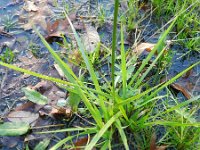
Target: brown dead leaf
point(187, 85)
point(181, 89)
point(90, 39)
point(80, 142)
point(143, 47)
point(26, 106)
point(59, 27)
point(153, 144)
point(61, 112)
point(31, 63)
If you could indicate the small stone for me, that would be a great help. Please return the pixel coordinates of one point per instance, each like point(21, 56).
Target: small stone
point(62, 102)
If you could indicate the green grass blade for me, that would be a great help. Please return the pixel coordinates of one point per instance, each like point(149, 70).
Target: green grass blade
point(122, 134)
point(158, 47)
point(65, 68)
point(139, 81)
point(196, 98)
point(102, 131)
point(52, 79)
point(173, 79)
point(56, 80)
point(114, 40)
point(89, 66)
point(84, 55)
point(123, 63)
point(136, 97)
point(72, 78)
point(158, 87)
point(69, 138)
point(69, 130)
point(174, 124)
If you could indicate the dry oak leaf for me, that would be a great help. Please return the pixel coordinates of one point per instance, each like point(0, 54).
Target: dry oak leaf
point(58, 27)
point(90, 38)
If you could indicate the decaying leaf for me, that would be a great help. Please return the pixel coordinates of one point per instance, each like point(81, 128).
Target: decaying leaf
point(187, 85)
point(37, 14)
point(80, 142)
point(59, 27)
point(90, 38)
point(22, 116)
point(60, 72)
point(14, 128)
point(61, 112)
point(143, 47)
point(181, 89)
point(153, 144)
point(26, 106)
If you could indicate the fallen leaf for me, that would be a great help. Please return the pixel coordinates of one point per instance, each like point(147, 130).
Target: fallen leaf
point(59, 27)
point(181, 89)
point(90, 39)
point(139, 49)
point(38, 16)
point(35, 96)
point(25, 106)
point(188, 84)
point(61, 112)
point(60, 72)
point(22, 116)
point(30, 6)
point(80, 142)
point(153, 145)
point(14, 128)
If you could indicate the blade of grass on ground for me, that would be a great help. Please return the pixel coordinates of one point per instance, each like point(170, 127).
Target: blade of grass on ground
point(123, 63)
point(122, 134)
point(89, 67)
point(158, 47)
point(101, 132)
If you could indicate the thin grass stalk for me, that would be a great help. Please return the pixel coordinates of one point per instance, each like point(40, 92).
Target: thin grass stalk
point(159, 46)
point(114, 40)
point(157, 88)
point(102, 131)
point(123, 63)
point(74, 79)
point(89, 67)
point(172, 80)
point(53, 79)
point(139, 81)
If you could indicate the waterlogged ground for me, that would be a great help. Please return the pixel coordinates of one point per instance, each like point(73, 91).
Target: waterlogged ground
point(24, 49)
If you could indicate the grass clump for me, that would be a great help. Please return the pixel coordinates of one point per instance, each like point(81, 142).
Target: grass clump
point(124, 112)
